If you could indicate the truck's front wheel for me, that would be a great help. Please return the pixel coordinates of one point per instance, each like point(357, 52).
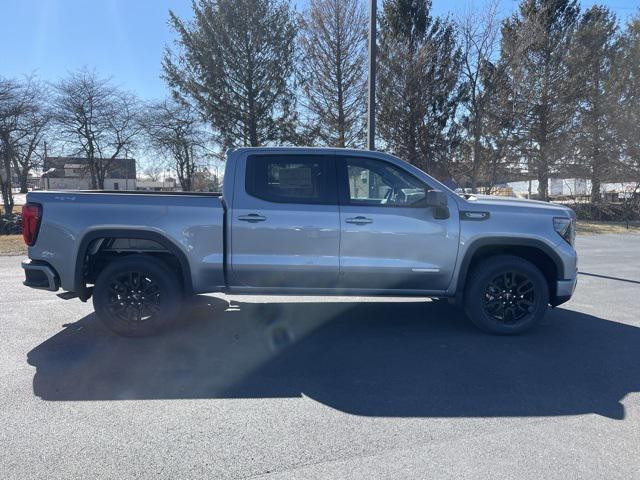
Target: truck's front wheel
point(137, 295)
point(506, 295)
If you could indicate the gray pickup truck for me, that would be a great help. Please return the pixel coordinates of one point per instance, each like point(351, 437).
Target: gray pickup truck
point(302, 221)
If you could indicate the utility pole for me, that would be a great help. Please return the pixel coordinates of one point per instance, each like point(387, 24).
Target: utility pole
point(371, 122)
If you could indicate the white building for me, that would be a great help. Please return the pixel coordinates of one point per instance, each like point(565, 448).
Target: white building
point(71, 173)
point(166, 185)
point(568, 187)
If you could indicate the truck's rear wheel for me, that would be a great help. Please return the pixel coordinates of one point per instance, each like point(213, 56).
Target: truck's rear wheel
point(506, 295)
point(137, 295)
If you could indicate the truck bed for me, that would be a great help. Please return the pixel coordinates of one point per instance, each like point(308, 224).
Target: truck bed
point(189, 225)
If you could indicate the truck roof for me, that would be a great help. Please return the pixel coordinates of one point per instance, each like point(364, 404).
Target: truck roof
point(330, 150)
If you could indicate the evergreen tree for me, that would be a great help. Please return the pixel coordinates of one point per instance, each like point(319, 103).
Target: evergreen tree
point(593, 61)
point(535, 44)
point(333, 69)
point(419, 84)
point(628, 88)
point(235, 62)
point(500, 147)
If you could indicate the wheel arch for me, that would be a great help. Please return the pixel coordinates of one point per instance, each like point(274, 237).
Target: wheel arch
point(117, 233)
point(535, 251)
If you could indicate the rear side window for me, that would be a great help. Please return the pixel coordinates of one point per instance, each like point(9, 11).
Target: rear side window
point(291, 178)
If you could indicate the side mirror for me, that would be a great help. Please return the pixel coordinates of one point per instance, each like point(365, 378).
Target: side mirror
point(438, 200)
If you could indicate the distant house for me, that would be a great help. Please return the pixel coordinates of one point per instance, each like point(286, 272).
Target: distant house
point(71, 173)
point(166, 185)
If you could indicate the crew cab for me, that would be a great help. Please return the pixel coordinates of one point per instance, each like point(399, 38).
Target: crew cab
point(302, 221)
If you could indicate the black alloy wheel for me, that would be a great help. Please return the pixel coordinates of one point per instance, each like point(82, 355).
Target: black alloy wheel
point(137, 295)
point(134, 297)
point(506, 295)
point(509, 297)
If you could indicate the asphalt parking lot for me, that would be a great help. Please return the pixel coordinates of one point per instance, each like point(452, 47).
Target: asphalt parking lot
point(327, 388)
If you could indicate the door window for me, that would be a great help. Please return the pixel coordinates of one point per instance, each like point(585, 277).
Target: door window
point(378, 183)
point(291, 178)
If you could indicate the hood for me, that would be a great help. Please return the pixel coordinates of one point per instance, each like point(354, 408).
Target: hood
point(515, 202)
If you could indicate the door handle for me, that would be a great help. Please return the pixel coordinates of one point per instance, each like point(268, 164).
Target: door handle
point(252, 218)
point(359, 220)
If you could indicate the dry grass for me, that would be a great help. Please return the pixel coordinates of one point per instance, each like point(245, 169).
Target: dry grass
point(594, 228)
point(12, 245)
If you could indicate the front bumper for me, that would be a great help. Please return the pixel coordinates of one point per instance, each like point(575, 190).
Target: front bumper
point(566, 284)
point(564, 291)
point(40, 275)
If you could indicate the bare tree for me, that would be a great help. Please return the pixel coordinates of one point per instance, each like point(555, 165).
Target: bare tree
point(479, 32)
point(333, 69)
point(99, 120)
point(31, 133)
point(18, 101)
point(175, 131)
point(153, 170)
point(8, 111)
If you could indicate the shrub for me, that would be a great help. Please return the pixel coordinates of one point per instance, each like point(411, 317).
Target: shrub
point(607, 212)
point(11, 225)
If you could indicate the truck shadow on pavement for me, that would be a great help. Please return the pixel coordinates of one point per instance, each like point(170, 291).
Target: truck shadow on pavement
point(408, 359)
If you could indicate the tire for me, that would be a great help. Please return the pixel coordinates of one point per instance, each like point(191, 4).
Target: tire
point(506, 295)
point(137, 296)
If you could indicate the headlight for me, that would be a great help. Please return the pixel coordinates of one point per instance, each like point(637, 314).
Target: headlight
point(566, 228)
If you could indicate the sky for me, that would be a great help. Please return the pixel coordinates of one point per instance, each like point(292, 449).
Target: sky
point(125, 39)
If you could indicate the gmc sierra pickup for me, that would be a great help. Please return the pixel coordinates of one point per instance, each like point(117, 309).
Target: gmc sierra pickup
point(302, 221)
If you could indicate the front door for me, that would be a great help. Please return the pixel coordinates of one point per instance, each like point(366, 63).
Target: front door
point(389, 239)
point(285, 222)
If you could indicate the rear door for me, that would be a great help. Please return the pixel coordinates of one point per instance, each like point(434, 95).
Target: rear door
point(389, 239)
point(285, 222)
